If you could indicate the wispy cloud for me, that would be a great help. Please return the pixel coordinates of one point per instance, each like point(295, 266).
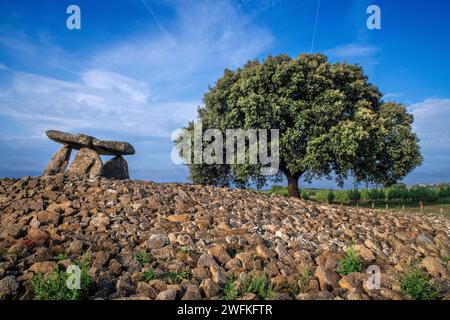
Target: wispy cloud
point(138, 88)
point(3, 67)
point(353, 50)
point(393, 95)
point(431, 119)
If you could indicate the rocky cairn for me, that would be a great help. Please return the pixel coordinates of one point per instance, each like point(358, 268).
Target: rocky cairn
point(135, 233)
point(87, 161)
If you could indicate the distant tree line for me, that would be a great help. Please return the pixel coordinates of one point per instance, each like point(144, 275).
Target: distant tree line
point(396, 193)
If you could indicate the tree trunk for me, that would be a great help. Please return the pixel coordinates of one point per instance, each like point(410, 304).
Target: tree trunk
point(293, 184)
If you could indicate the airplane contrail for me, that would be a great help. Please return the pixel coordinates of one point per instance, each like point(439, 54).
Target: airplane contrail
point(315, 26)
point(156, 21)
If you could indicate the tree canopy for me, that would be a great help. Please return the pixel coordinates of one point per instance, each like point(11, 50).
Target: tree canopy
point(332, 123)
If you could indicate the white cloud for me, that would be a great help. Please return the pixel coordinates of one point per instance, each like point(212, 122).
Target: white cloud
point(144, 84)
point(431, 121)
point(392, 95)
point(207, 37)
point(138, 88)
point(113, 103)
point(3, 67)
point(353, 50)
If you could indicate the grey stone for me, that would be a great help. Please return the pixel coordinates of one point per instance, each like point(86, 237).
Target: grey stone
point(87, 162)
point(59, 161)
point(8, 286)
point(112, 147)
point(80, 141)
point(116, 168)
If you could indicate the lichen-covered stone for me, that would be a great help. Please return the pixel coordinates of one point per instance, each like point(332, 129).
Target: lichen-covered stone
point(59, 161)
point(87, 162)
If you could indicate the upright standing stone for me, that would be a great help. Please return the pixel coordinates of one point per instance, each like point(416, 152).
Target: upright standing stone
point(116, 168)
point(59, 161)
point(87, 162)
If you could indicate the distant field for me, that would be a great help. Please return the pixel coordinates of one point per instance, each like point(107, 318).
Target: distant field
point(432, 202)
point(427, 209)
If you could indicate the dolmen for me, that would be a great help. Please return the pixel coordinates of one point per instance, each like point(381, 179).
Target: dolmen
point(87, 162)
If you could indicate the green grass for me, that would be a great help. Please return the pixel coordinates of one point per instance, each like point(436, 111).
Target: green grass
point(350, 263)
point(416, 284)
point(143, 258)
point(438, 206)
point(302, 284)
point(229, 291)
point(259, 285)
point(185, 249)
point(54, 286)
point(149, 275)
point(61, 256)
point(179, 276)
point(446, 259)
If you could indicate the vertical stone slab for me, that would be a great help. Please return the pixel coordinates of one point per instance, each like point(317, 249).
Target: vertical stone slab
point(59, 161)
point(87, 162)
point(116, 168)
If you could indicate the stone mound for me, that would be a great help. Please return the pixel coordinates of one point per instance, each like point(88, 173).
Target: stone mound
point(201, 236)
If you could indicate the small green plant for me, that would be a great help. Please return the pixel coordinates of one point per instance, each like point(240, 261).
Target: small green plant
point(229, 290)
point(143, 258)
point(350, 263)
point(185, 249)
point(259, 285)
point(303, 282)
point(61, 256)
point(301, 286)
point(177, 277)
point(446, 259)
point(304, 195)
point(54, 286)
point(330, 196)
point(149, 275)
point(416, 284)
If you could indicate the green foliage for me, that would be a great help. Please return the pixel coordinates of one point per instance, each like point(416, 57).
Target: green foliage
point(446, 259)
point(373, 194)
point(185, 249)
point(331, 120)
point(61, 256)
point(304, 195)
point(149, 274)
point(416, 284)
point(277, 190)
point(353, 195)
point(259, 285)
point(443, 191)
point(143, 258)
point(425, 194)
point(330, 196)
point(229, 290)
point(302, 284)
point(350, 263)
point(54, 286)
point(178, 276)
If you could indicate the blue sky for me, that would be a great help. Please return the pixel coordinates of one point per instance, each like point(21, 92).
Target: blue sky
point(137, 69)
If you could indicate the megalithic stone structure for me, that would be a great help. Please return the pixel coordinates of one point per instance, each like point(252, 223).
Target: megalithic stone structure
point(87, 161)
point(59, 161)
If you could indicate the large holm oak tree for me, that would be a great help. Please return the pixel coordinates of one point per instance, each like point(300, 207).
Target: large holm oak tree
point(332, 123)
